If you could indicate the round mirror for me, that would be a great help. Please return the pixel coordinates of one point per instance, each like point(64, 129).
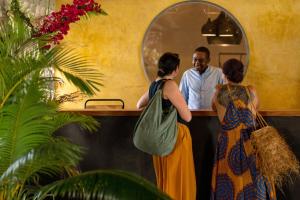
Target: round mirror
point(183, 27)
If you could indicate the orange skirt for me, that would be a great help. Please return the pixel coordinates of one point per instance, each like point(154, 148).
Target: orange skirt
point(175, 173)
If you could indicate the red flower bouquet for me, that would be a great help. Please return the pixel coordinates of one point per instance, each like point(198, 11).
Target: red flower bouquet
point(58, 22)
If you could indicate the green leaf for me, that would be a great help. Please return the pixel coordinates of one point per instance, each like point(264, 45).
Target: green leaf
point(28, 149)
point(103, 184)
point(21, 57)
point(23, 127)
point(61, 119)
point(103, 12)
point(77, 70)
point(52, 158)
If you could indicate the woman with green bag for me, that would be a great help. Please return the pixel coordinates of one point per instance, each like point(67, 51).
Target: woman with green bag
point(175, 173)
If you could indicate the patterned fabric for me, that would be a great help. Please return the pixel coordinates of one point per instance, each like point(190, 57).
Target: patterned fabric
point(235, 174)
point(238, 92)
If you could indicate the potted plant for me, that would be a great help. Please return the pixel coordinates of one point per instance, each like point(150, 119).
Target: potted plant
point(28, 119)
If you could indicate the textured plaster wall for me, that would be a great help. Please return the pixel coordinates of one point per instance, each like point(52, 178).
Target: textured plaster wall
point(114, 41)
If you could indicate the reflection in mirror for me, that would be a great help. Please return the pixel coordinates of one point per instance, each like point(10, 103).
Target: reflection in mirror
point(185, 26)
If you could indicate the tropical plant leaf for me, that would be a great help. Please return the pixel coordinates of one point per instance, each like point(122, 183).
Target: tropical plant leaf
point(30, 122)
point(103, 184)
point(61, 119)
point(52, 158)
point(14, 34)
point(26, 128)
point(15, 71)
point(28, 149)
point(77, 70)
point(23, 127)
point(21, 56)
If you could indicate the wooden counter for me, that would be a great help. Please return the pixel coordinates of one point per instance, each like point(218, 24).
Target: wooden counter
point(95, 112)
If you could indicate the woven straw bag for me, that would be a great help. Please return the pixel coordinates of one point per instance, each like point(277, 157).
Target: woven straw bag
point(275, 160)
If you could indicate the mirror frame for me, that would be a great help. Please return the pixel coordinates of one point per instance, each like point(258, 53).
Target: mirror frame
point(194, 2)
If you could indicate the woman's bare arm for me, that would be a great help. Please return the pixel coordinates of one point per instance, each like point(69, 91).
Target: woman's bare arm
point(171, 92)
point(213, 105)
point(143, 101)
point(214, 99)
point(255, 100)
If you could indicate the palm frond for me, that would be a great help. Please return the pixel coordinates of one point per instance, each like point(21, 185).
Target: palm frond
point(16, 10)
point(103, 184)
point(15, 70)
point(76, 69)
point(52, 158)
point(21, 56)
point(23, 127)
point(14, 34)
point(61, 119)
point(30, 122)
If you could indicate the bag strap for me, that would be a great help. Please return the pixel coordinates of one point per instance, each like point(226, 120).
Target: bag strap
point(230, 94)
point(164, 80)
point(261, 121)
point(161, 85)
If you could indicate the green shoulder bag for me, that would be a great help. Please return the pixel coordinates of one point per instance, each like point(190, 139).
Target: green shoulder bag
point(156, 130)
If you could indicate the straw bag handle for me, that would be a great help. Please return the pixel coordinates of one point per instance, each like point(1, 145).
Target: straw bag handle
point(262, 122)
point(230, 94)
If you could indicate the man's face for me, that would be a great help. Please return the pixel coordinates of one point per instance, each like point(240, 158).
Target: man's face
point(200, 60)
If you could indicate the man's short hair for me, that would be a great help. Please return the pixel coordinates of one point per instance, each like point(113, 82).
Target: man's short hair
point(203, 49)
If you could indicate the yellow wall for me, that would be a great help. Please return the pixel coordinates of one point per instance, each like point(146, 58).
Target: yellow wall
point(272, 28)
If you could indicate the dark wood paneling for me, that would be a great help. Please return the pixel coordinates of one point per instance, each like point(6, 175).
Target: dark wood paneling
point(111, 147)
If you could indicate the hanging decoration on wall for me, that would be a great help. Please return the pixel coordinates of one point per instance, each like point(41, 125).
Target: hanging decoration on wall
point(222, 31)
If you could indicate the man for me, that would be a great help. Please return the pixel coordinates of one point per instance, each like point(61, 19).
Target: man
point(198, 83)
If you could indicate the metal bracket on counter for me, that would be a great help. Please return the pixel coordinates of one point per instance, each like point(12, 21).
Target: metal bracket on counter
point(116, 100)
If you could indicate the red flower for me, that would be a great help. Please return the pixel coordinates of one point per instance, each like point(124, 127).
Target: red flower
point(58, 22)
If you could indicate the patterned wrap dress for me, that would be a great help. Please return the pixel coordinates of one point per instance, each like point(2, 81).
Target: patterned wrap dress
point(235, 174)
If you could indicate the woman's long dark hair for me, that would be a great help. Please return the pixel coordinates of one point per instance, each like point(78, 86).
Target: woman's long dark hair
point(233, 69)
point(168, 63)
